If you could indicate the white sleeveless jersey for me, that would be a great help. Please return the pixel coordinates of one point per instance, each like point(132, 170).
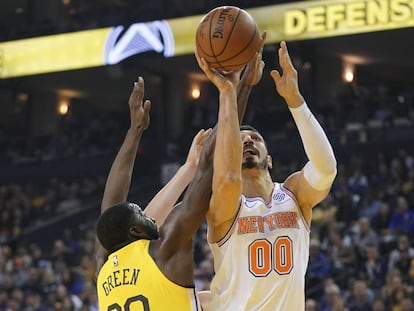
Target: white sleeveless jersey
point(261, 263)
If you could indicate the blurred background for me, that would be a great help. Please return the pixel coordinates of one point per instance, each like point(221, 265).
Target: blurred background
point(60, 131)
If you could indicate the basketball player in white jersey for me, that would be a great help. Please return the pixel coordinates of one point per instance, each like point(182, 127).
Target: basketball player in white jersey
point(258, 229)
point(175, 265)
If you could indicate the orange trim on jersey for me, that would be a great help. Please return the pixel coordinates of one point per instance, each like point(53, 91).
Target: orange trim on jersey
point(231, 229)
point(292, 195)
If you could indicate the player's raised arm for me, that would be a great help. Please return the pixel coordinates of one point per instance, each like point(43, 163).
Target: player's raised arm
point(119, 178)
point(313, 183)
point(227, 154)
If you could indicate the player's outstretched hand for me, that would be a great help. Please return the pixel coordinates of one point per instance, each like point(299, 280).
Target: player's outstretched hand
point(287, 82)
point(196, 147)
point(139, 111)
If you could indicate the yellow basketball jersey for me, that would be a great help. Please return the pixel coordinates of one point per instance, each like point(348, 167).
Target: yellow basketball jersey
point(131, 281)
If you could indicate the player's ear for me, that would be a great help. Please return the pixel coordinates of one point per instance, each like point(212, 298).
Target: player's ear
point(135, 232)
point(269, 162)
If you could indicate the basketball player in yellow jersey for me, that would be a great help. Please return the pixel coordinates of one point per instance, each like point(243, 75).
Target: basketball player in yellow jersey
point(258, 229)
point(140, 267)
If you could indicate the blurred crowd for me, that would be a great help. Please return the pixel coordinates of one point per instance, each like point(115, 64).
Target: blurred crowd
point(77, 136)
point(61, 278)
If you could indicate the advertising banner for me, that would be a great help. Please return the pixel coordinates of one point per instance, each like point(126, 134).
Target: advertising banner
point(106, 46)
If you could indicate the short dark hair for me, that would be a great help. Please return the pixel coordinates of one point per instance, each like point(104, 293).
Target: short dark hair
point(246, 127)
point(112, 227)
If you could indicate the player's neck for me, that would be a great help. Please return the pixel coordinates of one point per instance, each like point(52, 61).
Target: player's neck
point(257, 183)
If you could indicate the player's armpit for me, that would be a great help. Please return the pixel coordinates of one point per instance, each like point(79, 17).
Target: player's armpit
point(221, 215)
point(306, 196)
point(318, 180)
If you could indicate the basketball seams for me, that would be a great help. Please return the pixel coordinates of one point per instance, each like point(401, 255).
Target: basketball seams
point(199, 45)
point(225, 45)
point(242, 50)
point(200, 48)
point(234, 66)
point(209, 37)
point(230, 34)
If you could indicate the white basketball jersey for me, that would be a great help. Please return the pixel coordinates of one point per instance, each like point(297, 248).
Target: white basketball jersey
point(261, 263)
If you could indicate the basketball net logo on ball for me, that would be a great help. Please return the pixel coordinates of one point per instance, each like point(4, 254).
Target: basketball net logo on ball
point(227, 37)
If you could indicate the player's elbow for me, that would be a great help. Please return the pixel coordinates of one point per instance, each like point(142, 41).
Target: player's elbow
point(329, 173)
point(329, 177)
point(328, 170)
point(331, 167)
point(321, 178)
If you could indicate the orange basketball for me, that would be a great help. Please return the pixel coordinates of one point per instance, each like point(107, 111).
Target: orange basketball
point(227, 38)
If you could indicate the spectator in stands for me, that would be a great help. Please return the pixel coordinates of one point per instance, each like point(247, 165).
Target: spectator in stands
point(404, 264)
point(403, 244)
point(358, 181)
point(394, 289)
point(360, 298)
point(340, 305)
point(324, 215)
point(343, 198)
point(407, 304)
point(370, 205)
point(330, 297)
point(378, 304)
point(311, 305)
point(33, 302)
point(341, 254)
point(402, 219)
point(373, 268)
point(318, 268)
point(380, 222)
point(364, 236)
point(381, 174)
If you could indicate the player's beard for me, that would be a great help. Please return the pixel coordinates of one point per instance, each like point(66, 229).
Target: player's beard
point(153, 233)
point(151, 230)
point(250, 163)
